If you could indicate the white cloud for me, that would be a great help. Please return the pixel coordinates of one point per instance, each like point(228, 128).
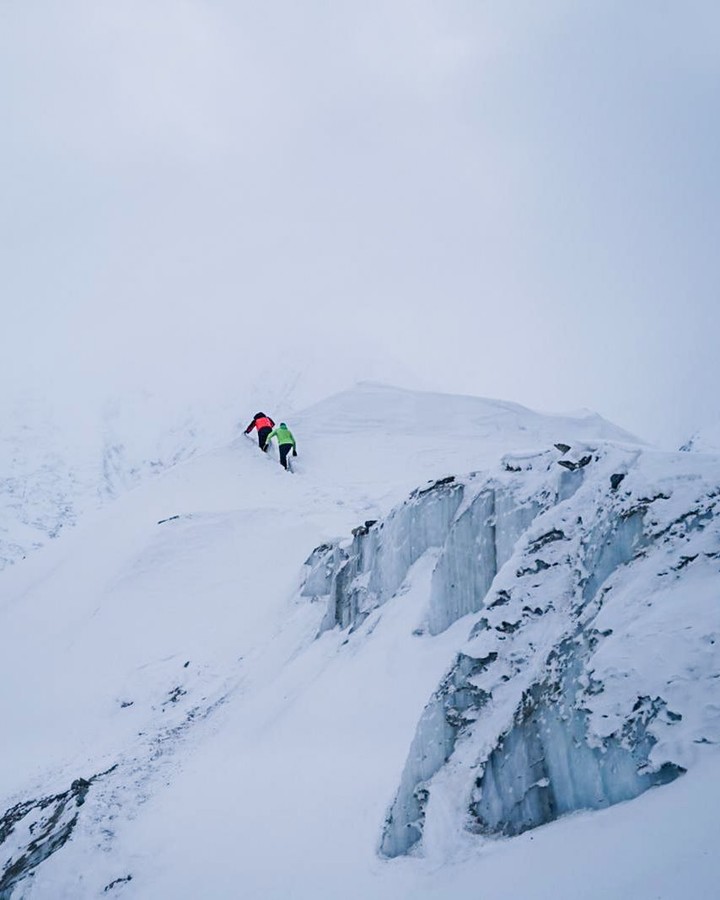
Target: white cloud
point(516, 201)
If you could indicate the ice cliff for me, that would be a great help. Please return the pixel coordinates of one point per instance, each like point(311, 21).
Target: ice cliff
point(587, 581)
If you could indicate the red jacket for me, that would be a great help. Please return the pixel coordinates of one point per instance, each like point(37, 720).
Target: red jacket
point(260, 422)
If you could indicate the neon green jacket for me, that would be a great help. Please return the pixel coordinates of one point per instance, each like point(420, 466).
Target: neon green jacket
point(283, 435)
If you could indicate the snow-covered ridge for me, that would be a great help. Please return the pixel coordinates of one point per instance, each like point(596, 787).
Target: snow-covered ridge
point(55, 470)
point(372, 406)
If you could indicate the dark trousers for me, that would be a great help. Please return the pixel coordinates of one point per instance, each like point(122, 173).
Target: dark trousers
point(262, 437)
point(284, 451)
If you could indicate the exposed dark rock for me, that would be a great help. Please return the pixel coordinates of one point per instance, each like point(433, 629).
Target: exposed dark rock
point(616, 479)
point(563, 448)
point(175, 694)
point(482, 662)
point(540, 566)
point(502, 598)
point(50, 821)
point(530, 611)
point(553, 535)
point(449, 479)
point(364, 528)
point(572, 466)
point(320, 550)
point(123, 880)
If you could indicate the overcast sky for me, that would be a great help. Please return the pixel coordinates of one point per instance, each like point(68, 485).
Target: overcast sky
point(512, 199)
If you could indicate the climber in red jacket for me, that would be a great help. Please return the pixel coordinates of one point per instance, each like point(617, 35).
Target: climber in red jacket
point(264, 425)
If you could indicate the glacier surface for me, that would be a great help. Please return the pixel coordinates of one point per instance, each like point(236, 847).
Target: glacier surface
point(535, 555)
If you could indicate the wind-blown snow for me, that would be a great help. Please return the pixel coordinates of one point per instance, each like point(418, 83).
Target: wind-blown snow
point(246, 723)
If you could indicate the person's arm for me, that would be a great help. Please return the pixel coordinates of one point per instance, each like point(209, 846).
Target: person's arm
point(272, 434)
point(250, 427)
point(292, 438)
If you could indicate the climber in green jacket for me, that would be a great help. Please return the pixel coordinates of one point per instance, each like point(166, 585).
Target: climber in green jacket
point(286, 442)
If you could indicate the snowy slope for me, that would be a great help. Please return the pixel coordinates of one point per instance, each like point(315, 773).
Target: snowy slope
point(61, 460)
point(705, 440)
point(164, 653)
point(55, 468)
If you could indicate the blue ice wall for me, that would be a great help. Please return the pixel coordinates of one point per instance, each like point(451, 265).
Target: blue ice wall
point(544, 766)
